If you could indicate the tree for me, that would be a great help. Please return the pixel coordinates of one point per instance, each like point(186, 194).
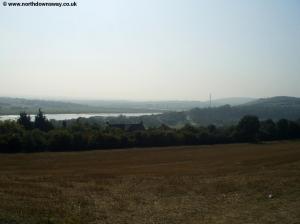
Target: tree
point(211, 128)
point(283, 128)
point(268, 130)
point(35, 141)
point(60, 140)
point(25, 121)
point(11, 134)
point(294, 129)
point(41, 122)
point(248, 128)
point(64, 124)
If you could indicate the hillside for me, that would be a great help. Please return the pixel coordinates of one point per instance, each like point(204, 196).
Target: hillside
point(274, 108)
point(169, 105)
point(16, 105)
point(280, 101)
point(175, 113)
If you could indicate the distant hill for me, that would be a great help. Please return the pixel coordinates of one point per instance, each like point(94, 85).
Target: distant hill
point(274, 108)
point(10, 106)
point(16, 105)
point(280, 101)
point(233, 101)
point(176, 113)
point(165, 105)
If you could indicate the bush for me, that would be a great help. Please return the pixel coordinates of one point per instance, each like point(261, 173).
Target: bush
point(268, 130)
point(17, 137)
point(248, 128)
point(60, 140)
point(35, 141)
point(283, 128)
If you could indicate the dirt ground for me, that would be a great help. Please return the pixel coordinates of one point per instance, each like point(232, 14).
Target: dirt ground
point(235, 183)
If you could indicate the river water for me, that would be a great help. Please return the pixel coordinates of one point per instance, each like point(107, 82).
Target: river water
point(60, 117)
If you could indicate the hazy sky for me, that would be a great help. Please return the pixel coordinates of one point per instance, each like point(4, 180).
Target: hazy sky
point(151, 49)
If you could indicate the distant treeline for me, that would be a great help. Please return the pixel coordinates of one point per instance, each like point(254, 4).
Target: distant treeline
point(41, 135)
point(13, 106)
